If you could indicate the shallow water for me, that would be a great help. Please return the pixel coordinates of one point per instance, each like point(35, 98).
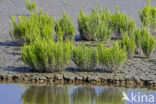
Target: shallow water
point(63, 94)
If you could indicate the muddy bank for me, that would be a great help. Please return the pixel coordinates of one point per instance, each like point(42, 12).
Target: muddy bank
point(117, 79)
point(136, 72)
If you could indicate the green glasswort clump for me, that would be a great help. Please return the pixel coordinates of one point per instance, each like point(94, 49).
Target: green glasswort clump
point(112, 58)
point(121, 24)
point(26, 29)
point(147, 43)
point(128, 44)
point(94, 26)
point(138, 40)
point(138, 37)
point(148, 17)
point(64, 28)
point(46, 55)
point(31, 6)
point(84, 57)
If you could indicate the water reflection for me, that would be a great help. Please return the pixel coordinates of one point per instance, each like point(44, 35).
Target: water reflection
point(26, 94)
point(72, 95)
point(110, 96)
point(46, 95)
point(83, 95)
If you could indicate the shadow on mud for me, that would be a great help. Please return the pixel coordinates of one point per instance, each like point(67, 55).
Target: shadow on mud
point(99, 70)
point(18, 69)
point(9, 43)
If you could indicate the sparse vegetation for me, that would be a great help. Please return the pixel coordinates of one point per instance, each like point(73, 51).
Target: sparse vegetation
point(64, 28)
point(46, 55)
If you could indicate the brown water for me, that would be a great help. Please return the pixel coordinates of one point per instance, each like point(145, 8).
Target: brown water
point(63, 94)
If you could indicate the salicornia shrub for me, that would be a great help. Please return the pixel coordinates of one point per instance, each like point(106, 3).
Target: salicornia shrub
point(94, 26)
point(121, 24)
point(31, 6)
point(147, 43)
point(26, 29)
point(138, 40)
point(46, 55)
point(64, 28)
point(111, 58)
point(84, 57)
point(148, 17)
point(128, 44)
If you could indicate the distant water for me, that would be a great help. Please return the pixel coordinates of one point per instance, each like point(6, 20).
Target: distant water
point(62, 94)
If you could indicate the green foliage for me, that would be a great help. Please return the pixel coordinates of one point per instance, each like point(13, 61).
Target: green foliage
point(94, 26)
point(147, 43)
point(46, 95)
point(138, 37)
point(46, 55)
point(138, 40)
point(99, 25)
point(64, 28)
point(128, 44)
point(31, 6)
point(26, 29)
point(148, 16)
point(84, 57)
point(121, 24)
point(112, 58)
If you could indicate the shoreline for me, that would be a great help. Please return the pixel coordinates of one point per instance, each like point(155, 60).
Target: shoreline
point(77, 78)
point(135, 72)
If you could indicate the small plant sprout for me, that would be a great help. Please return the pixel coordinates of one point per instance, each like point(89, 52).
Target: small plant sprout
point(31, 6)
